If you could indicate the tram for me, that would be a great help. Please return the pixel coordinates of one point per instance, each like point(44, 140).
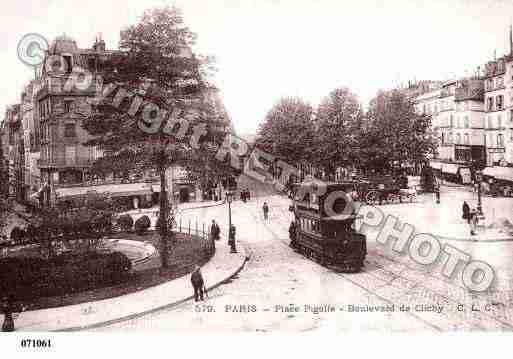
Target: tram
point(327, 235)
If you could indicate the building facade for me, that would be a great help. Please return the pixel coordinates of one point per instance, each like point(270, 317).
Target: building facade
point(44, 141)
point(499, 111)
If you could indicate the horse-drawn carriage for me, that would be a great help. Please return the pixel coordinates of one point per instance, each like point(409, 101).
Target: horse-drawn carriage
point(384, 189)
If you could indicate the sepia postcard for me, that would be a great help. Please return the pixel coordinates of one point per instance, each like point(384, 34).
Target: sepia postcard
point(265, 167)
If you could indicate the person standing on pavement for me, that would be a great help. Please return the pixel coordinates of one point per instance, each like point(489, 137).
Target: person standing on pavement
point(437, 193)
point(292, 234)
point(214, 230)
point(248, 194)
point(265, 208)
point(466, 212)
point(197, 283)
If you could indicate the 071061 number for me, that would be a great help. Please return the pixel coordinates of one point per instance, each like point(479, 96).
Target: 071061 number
point(36, 343)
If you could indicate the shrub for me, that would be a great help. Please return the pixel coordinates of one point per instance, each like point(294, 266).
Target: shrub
point(17, 235)
point(142, 224)
point(125, 222)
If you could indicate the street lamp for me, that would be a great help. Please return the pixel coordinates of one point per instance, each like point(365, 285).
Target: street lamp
point(231, 230)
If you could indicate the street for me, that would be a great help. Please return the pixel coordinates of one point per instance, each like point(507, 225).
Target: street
point(279, 290)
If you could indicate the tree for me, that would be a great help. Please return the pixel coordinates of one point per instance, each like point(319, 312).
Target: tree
point(394, 134)
point(151, 64)
point(288, 131)
point(338, 123)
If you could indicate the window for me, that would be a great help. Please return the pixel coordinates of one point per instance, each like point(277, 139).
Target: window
point(458, 138)
point(466, 139)
point(490, 122)
point(70, 153)
point(467, 122)
point(91, 64)
point(499, 102)
point(451, 121)
point(69, 130)
point(67, 106)
point(499, 121)
point(500, 81)
point(489, 104)
point(500, 140)
point(67, 60)
point(449, 138)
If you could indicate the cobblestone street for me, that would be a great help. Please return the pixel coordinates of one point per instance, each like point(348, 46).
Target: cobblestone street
point(276, 277)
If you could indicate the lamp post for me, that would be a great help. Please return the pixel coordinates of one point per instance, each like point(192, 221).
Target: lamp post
point(231, 228)
point(479, 179)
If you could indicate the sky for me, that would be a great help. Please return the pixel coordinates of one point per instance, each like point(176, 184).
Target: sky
point(267, 49)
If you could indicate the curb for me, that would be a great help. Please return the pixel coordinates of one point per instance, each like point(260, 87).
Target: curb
point(219, 203)
point(472, 240)
point(162, 307)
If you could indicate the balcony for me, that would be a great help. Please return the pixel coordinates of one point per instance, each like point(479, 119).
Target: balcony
point(66, 85)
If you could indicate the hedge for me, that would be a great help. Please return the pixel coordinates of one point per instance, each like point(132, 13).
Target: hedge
point(29, 278)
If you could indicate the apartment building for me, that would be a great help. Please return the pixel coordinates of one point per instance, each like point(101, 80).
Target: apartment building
point(53, 112)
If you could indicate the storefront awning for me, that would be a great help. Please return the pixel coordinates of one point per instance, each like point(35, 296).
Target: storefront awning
point(502, 173)
point(115, 190)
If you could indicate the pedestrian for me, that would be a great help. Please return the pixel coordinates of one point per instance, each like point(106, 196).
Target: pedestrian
point(466, 212)
point(292, 234)
point(265, 208)
point(213, 230)
point(248, 194)
point(437, 193)
point(9, 310)
point(197, 283)
point(217, 235)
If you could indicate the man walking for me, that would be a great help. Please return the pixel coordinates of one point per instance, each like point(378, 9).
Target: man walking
point(466, 212)
point(265, 208)
point(197, 283)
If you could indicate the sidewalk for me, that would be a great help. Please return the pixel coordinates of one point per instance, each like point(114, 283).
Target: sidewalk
point(444, 220)
point(221, 267)
point(181, 207)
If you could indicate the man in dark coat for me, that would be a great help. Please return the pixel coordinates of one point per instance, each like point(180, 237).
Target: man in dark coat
point(265, 208)
point(197, 283)
point(466, 212)
point(292, 234)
